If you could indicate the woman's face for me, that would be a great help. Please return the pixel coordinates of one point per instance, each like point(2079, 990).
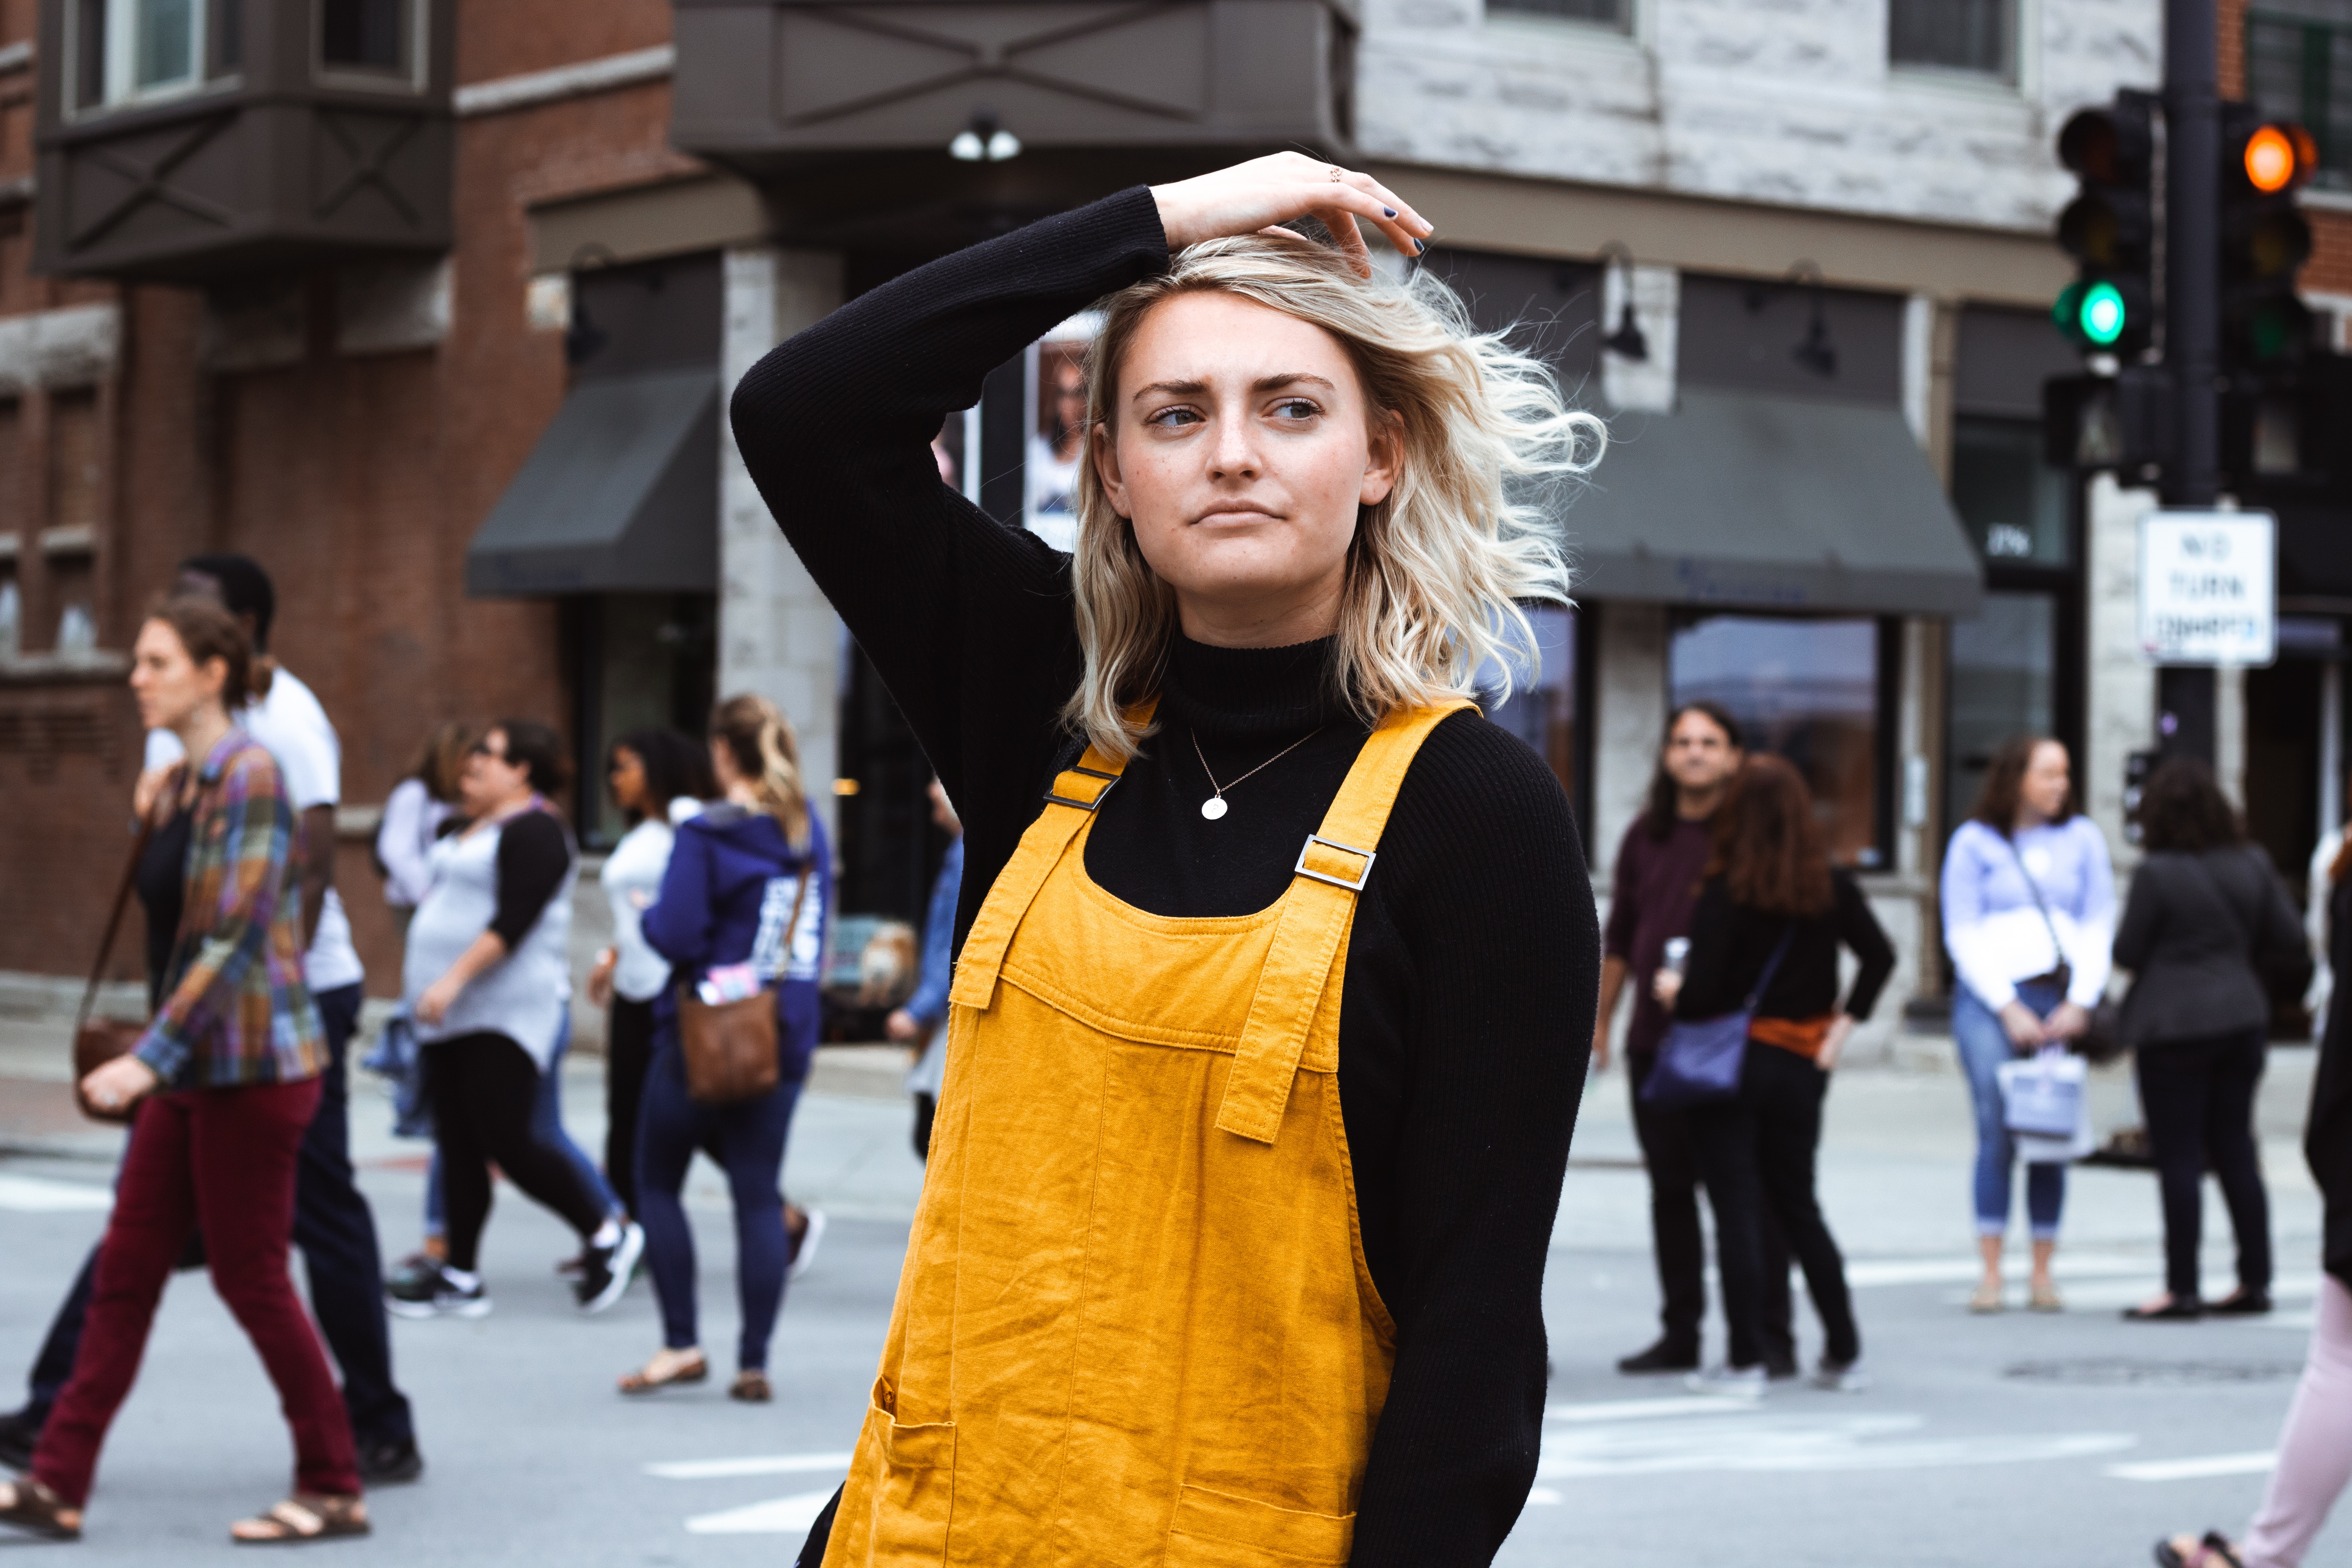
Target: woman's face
point(723, 763)
point(626, 779)
point(1240, 444)
point(170, 687)
point(2043, 790)
point(490, 781)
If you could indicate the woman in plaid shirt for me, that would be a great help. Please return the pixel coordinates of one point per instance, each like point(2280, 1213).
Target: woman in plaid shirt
point(228, 1075)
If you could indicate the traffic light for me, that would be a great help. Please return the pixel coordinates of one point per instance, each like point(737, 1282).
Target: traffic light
point(2109, 228)
point(2264, 241)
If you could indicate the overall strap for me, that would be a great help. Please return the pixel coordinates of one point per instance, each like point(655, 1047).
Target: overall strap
point(1316, 914)
point(1076, 793)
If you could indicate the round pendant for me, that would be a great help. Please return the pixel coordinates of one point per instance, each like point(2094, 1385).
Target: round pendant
point(1214, 807)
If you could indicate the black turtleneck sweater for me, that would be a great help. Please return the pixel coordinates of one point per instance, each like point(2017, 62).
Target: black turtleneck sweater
point(1468, 1007)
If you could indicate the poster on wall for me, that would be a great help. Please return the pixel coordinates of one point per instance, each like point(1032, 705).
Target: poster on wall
point(2208, 588)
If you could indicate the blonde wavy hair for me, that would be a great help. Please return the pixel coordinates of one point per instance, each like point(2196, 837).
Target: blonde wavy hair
point(1436, 572)
point(760, 740)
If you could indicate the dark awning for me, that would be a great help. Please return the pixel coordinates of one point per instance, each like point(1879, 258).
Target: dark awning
point(1736, 498)
point(620, 495)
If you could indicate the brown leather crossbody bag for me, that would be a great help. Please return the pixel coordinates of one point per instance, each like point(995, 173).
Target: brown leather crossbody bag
point(731, 1047)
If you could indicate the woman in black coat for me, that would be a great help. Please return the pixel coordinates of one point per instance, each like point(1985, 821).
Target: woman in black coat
point(2205, 917)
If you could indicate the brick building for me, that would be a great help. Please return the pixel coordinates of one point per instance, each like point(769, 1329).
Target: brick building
point(430, 305)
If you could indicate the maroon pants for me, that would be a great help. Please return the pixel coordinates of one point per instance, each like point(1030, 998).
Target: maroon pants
point(222, 1159)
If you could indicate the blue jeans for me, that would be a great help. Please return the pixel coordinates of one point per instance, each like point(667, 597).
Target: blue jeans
point(547, 1125)
point(1983, 1044)
point(747, 1140)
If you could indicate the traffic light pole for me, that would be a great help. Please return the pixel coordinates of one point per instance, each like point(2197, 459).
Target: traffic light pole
point(2193, 321)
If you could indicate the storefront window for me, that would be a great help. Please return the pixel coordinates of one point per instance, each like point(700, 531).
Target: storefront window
point(1809, 690)
point(1542, 711)
point(2004, 682)
point(648, 661)
point(2015, 505)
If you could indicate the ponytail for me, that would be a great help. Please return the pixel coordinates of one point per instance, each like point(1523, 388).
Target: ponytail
point(760, 740)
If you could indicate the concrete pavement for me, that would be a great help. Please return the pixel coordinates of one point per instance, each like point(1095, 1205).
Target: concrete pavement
point(2072, 1439)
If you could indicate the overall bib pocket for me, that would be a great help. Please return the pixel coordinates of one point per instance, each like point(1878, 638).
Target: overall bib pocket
point(914, 1488)
point(1215, 1530)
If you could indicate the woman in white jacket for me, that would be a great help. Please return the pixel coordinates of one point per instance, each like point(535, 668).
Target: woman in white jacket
point(2029, 906)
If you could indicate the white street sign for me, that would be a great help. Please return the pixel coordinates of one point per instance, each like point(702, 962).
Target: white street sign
point(2209, 587)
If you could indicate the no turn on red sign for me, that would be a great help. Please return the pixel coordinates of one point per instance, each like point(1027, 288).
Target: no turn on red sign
point(2209, 587)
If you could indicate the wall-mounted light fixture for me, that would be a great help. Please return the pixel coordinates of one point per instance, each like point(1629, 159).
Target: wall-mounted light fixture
point(984, 140)
point(1814, 351)
point(1627, 342)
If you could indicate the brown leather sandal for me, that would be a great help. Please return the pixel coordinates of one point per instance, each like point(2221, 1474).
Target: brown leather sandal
point(305, 1516)
point(751, 1387)
point(37, 1511)
point(644, 1381)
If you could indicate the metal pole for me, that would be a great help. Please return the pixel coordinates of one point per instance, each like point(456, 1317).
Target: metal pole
point(2192, 249)
point(2192, 320)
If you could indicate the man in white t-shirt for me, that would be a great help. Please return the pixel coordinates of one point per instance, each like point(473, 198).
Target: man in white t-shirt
point(332, 1223)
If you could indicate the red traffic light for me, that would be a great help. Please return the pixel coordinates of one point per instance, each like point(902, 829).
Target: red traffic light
point(2112, 146)
point(2278, 157)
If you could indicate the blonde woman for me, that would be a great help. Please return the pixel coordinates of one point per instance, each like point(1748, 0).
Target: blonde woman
point(1278, 962)
point(747, 886)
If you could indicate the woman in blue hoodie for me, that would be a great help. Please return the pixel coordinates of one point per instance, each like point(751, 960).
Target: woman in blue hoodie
point(734, 885)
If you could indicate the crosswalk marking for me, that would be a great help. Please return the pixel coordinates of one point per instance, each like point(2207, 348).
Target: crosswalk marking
point(35, 1194)
point(779, 1516)
point(2191, 1469)
point(1769, 1442)
point(1648, 1409)
point(759, 1465)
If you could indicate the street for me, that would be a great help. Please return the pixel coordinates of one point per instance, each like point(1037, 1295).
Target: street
point(2020, 1439)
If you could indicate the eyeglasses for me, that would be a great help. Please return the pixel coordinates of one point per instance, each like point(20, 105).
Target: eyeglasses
point(484, 749)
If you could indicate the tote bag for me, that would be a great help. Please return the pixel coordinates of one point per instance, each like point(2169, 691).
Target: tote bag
point(1700, 1060)
point(2041, 1094)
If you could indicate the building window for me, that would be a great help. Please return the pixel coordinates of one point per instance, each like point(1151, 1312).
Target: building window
point(2004, 682)
point(1615, 15)
point(126, 51)
point(1543, 711)
point(2299, 67)
point(370, 38)
point(1972, 36)
point(2015, 505)
point(1816, 691)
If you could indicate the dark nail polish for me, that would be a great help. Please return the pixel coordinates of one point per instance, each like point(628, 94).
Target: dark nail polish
point(1388, 211)
point(1421, 248)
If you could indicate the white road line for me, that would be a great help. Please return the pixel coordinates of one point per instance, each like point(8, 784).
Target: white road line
point(782, 1516)
point(1649, 1409)
point(761, 1464)
point(1543, 1496)
point(1863, 1272)
point(1777, 1443)
point(35, 1195)
point(2191, 1469)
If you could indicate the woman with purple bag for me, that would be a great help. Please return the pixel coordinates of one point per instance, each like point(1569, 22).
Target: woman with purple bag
point(1772, 913)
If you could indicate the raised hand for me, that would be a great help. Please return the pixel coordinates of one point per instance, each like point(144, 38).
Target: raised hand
point(1282, 186)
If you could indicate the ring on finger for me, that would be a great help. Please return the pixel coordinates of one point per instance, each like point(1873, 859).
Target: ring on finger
point(1337, 173)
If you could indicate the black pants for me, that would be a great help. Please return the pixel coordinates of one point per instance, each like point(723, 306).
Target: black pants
point(2199, 1098)
point(1674, 1170)
point(336, 1231)
point(482, 1088)
point(628, 1051)
point(1755, 1154)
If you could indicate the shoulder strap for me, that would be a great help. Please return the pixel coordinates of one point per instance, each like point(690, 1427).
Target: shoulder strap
point(2034, 887)
point(1074, 795)
point(122, 901)
point(1316, 913)
point(1771, 967)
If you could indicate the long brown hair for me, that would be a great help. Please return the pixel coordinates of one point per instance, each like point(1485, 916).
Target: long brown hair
point(759, 738)
point(2182, 808)
point(1768, 846)
point(442, 760)
point(2004, 782)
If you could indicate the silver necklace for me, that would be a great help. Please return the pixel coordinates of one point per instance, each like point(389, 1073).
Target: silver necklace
point(1215, 807)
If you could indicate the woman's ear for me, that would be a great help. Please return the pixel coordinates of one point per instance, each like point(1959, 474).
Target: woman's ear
point(214, 673)
point(1383, 458)
point(1106, 461)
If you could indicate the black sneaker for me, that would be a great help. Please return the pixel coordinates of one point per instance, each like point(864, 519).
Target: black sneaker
point(1663, 1357)
point(1780, 1366)
point(20, 1433)
point(386, 1463)
point(417, 1294)
point(604, 1270)
point(417, 1271)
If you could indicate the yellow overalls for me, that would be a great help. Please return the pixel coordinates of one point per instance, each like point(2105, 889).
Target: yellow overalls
point(1135, 1326)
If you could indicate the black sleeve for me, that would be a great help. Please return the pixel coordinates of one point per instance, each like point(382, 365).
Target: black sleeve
point(968, 621)
point(1860, 931)
point(1505, 948)
point(532, 858)
point(1720, 964)
point(2143, 913)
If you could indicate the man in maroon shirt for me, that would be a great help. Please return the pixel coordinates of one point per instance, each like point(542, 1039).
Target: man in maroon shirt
point(1659, 865)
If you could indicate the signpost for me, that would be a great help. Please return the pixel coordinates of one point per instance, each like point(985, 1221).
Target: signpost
point(2207, 588)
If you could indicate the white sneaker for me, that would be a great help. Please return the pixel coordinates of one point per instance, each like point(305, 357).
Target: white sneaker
point(1854, 1377)
point(1729, 1382)
point(805, 1253)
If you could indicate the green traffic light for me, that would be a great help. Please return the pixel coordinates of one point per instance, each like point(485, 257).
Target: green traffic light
point(2100, 313)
